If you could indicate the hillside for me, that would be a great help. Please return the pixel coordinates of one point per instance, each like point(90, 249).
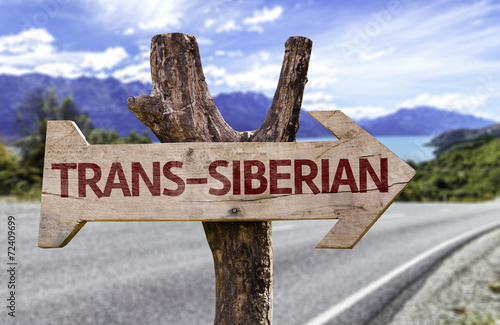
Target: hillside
point(458, 139)
point(471, 173)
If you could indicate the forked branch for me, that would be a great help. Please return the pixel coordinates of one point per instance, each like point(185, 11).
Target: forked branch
point(181, 109)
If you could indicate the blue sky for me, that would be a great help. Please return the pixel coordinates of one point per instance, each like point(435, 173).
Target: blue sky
point(369, 57)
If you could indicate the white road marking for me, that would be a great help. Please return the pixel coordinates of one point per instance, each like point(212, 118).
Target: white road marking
point(337, 309)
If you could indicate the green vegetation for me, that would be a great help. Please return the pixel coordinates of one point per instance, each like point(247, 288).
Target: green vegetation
point(21, 173)
point(467, 167)
point(8, 170)
point(461, 138)
point(475, 317)
point(466, 172)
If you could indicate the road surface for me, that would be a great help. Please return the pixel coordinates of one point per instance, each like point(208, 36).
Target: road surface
point(162, 273)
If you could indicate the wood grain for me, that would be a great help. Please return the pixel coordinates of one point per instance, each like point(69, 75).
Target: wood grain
point(356, 211)
point(180, 109)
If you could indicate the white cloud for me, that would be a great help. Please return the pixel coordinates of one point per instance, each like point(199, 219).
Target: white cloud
point(153, 15)
point(433, 40)
point(455, 102)
point(107, 59)
point(31, 40)
point(253, 23)
point(264, 56)
point(264, 16)
point(321, 80)
point(316, 97)
point(321, 101)
point(323, 106)
point(65, 70)
point(137, 72)
point(33, 51)
point(229, 53)
point(204, 41)
point(228, 26)
point(259, 78)
point(322, 74)
point(234, 53)
point(27, 50)
point(431, 50)
point(209, 23)
point(256, 28)
point(371, 56)
point(144, 53)
point(214, 72)
point(129, 31)
point(359, 112)
point(161, 22)
point(354, 112)
point(15, 71)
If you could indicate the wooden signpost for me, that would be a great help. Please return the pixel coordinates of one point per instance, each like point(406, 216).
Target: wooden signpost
point(235, 182)
point(354, 180)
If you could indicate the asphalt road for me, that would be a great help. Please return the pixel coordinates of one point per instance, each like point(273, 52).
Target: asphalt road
point(162, 273)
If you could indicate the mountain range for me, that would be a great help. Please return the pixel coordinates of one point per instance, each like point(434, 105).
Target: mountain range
point(422, 120)
point(105, 101)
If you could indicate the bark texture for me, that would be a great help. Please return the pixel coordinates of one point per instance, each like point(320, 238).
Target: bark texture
point(181, 109)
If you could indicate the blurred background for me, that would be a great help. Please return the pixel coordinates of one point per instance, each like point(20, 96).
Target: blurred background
point(423, 77)
point(406, 71)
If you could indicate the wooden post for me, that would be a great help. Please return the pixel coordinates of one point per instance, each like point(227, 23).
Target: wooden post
point(181, 109)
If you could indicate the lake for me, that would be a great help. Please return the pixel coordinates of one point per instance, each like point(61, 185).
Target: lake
point(406, 147)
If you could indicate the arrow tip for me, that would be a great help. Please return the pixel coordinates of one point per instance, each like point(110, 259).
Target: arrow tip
point(55, 232)
point(347, 232)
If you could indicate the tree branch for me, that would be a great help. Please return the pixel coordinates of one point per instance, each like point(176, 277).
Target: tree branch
point(282, 120)
point(180, 109)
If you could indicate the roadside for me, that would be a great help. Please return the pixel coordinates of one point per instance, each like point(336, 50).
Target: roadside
point(461, 290)
point(103, 255)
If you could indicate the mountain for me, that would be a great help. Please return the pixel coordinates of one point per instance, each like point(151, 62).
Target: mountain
point(422, 120)
point(245, 111)
point(105, 101)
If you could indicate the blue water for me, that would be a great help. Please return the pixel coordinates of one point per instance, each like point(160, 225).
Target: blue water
point(406, 147)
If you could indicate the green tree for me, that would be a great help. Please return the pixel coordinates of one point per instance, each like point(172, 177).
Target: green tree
point(32, 116)
point(101, 136)
point(8, 169)
point(21, 174)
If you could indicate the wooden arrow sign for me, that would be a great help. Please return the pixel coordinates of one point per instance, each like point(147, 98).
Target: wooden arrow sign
point(354, 179)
